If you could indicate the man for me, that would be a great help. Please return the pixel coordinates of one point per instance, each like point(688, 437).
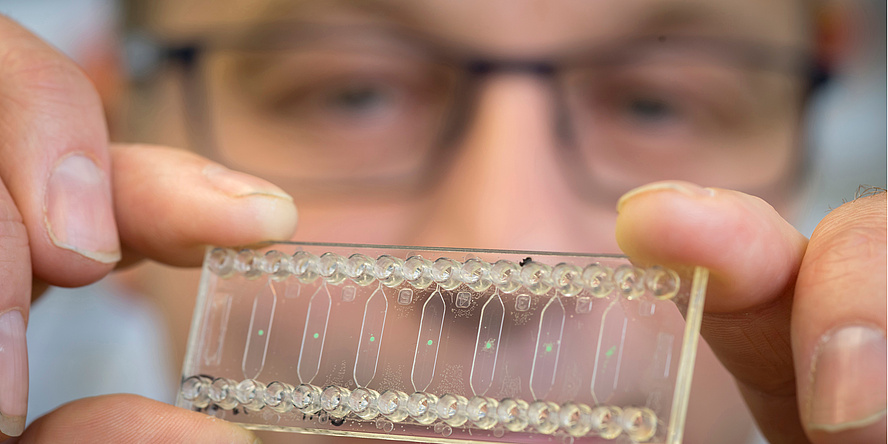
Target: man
point(513, 125)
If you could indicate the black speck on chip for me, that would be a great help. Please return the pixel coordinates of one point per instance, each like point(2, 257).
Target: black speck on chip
point(525, 261)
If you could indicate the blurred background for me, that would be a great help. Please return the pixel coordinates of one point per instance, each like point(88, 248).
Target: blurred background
point(111, 342)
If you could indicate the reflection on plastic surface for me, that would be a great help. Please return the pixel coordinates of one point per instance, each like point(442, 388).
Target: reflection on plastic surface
point(487, 344)
point(436, 345)
point(314, 334)
point(370, 340)
point(428, 342)
point(259, 332)
point(548, 346)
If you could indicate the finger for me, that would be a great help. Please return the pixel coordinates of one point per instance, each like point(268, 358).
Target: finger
point(15, 291)
point(55, 160)
point(839, 324)
point(172, 203)
point(753, 256)
point(130, 419)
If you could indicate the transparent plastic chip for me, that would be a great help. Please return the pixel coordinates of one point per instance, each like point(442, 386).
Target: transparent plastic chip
point(443, 345)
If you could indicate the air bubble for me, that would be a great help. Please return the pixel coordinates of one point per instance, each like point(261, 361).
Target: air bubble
point(359, 268)
point(513, 414)
point(537, 277)
point(221, 262)
point(221, 392)
point(482, 412)
point(388, 270)
point(277, 396)
point(640, 424)
point(662, 282)
point(249, 393)
point(506, 275)
point(305, 266)
point(362, 403)
point(630, 281)
point(333, 401)
point(307, 398)
point(247, 264)
point(451, 408)
point(445, 272)
point(417, 271)
point(277, 264)
point(475, 274)
point(195, 390)
point(392, 404)
point(599, 280)
point(576, 419)
point(543, 416)
point(604, 421)
point(568, 279)
point(421, 406)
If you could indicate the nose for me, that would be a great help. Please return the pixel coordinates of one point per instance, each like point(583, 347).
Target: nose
point(506, 187)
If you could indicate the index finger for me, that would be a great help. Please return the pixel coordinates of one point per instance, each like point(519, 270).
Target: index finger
point(839, 324)
point(56, 221)
point(55, 160)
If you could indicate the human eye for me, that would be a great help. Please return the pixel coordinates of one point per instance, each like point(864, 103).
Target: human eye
point(358, 101)
point(650, 110)
point(679, 103)
point(342, 91)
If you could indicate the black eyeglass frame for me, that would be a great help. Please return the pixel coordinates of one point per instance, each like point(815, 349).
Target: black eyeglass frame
point(474, 67)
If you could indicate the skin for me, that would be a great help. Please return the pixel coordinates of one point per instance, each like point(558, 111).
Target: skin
point(762, 268)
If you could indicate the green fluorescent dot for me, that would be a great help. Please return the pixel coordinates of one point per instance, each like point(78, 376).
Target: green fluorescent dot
point(315, 335)
point(488, 345)
point(372, 338)
point(430, 342)
point(610, 351)
point(261, 332)
point(548, 347)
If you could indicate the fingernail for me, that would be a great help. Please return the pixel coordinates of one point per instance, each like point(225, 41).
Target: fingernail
point(246, 437)
point(78, 209)
point(241, 435)
point(686, 188)
point(237, 184)
point(13, 373)
point(848, 380)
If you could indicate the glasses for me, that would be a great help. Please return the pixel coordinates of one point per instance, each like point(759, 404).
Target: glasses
point(326, 110)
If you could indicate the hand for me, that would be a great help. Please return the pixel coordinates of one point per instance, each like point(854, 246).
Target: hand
point(72, 209)
point(800, 324)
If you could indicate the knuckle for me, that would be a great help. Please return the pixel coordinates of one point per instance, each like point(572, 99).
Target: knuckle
point(31, 70)
point(849, 243)
point(844, 257)
point(866, 212)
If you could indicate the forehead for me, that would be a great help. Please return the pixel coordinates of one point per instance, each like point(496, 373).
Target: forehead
point(506, 25)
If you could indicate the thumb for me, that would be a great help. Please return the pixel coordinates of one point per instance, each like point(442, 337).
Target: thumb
point(131, 419)
point(753, 256)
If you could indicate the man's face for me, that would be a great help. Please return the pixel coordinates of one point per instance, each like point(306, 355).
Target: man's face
point(498, 124)
point(368, 114)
